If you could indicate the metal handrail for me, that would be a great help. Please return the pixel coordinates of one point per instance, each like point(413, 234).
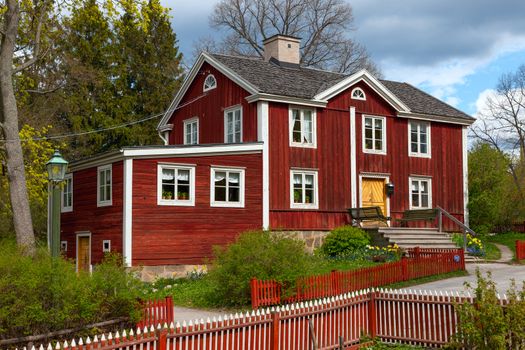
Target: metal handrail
point(456, 221)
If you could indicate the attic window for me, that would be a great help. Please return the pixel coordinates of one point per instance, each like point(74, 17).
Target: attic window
point(358, 94)
point(209, 83)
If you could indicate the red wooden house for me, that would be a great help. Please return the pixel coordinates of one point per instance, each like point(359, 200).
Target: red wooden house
point(265, 143)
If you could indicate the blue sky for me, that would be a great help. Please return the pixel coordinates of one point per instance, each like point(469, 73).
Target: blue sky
point(454, 49)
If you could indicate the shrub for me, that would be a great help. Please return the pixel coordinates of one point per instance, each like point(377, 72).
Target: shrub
point(344, 241)
point(256, 254)
point(41, 294)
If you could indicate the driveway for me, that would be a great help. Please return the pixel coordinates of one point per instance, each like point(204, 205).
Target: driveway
point(501, 275)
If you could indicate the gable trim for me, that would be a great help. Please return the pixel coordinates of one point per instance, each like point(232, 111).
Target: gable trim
point(204, 57)
point(371, 81)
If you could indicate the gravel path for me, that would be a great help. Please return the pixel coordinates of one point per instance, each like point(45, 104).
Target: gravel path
point(506, 253)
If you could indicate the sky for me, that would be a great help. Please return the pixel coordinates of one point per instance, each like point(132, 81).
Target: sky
point(455, 50)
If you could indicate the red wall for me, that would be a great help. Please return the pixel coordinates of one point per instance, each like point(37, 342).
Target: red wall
point(210, 109)
point(332, 160)
point(103, 223)
point(185, 235)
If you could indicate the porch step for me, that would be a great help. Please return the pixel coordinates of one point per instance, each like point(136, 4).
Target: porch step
point(417, 237)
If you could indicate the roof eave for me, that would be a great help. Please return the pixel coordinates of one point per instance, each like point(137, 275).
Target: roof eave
point(437, 118)
point(286, 99)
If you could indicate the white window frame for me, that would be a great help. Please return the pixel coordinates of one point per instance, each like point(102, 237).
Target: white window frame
point(383, 134)
point(356, 97)
point(313, 144)
point(204, 89)
point(191, 121)
point(104, 203)
point(429, 148)
point(226, 112)
point(303, 172)
point(63, 246)
point(420, 179)
point(177, 202)
point(108, 250)
point(242, 187)
point(66, 208)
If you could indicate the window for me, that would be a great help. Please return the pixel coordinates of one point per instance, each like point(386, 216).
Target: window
point(176, 184)
point(358, 94)
point(106, 246)
point(420, 193)
point(302, 127)
point(374, 135)
point(67, 193)
point(227, 187)
point(303, 189)
point(419, 139)
point(63, 246)
point(104, 196)
point(233, 125)
point(209, 83)
point(191, 131)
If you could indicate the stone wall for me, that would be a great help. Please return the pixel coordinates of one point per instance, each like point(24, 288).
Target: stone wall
point(312, 239)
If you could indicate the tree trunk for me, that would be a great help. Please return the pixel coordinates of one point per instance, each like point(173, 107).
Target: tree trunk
point(9, 120)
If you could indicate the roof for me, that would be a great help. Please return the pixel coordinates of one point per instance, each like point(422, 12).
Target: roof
point(302, 82)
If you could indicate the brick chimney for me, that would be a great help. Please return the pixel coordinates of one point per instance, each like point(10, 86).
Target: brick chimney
point(283, 49)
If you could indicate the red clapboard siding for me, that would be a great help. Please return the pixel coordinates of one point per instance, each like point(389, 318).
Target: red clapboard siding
point(103, 223)
point(210, 109)
point(332, 160)
point(185, 235)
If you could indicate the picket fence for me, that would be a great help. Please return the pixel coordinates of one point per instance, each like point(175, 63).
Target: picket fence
point(420, 318)
point(520, 250)
point(417, 263)
point(157, 311)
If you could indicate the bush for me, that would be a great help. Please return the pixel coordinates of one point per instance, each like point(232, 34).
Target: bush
point(41, 294)
point(344, 241)
point(256, 254)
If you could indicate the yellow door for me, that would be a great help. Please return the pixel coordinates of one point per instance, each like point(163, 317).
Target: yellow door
point(373, 194)
point(83, 253)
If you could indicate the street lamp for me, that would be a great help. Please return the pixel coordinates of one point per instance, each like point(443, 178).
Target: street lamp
point(56, 171)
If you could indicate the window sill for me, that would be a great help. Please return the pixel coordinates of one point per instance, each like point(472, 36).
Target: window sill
point(226, 205)
point(303, 145)
point(104, 204)
point(66, 210)
point(420, 155)
point(304, 206)
point(176, 203)
point(381, 153)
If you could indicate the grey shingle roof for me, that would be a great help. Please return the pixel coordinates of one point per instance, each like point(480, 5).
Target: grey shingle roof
point(303, 82)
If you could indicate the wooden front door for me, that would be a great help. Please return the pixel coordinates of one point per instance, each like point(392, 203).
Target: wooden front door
point(373, 193)
point(83, 253)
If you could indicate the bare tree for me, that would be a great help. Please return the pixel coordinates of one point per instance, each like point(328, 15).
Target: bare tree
point(502, 123)
point(322, 25)
point(19, 50)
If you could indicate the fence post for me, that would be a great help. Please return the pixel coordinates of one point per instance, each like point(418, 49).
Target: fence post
point(276, 322)
point(372, 314)
point(162, 339)
point(404, 268)
point(253, 290)
point(462, 257)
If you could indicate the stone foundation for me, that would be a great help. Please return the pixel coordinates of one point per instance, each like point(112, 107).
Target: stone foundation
point(312, 240)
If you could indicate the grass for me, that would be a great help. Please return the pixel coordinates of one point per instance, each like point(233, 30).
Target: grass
point(428, 279)
point(491, 251)
point(508, 239)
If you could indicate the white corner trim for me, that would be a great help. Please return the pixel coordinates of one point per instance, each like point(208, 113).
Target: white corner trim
point(371, 81)
point(353, 158)
point(105, 203)
point(465, 174)
point(190, 202)
point(264, 137)
point(242, 186)
point(429, 140)
point(127, 206)
point(190, 151)
point(204, 57)
point(384, 135)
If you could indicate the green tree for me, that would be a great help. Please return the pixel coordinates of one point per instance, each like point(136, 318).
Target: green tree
point(489, 182)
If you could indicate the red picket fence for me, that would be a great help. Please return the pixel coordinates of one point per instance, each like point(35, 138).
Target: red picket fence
point(156, 311)
point(425, 318)
point(418, 263)
point(520, 250)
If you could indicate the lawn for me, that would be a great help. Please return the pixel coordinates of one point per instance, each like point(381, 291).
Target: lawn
point(508, 239)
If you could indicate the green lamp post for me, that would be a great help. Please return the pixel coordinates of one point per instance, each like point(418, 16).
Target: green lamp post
point(56, 171)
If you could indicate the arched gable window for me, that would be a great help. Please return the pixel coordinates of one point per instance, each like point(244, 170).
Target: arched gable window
point(358, 94)
point(209, 83)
